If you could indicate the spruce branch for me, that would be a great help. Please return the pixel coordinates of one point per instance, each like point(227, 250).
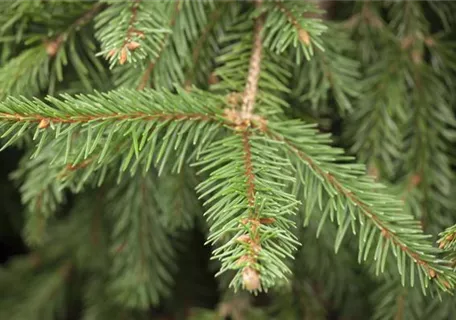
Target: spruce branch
point(186, 19)
point(131, 31)
point(289, 24)
point(42, 193)
point(207, 46)
point(178, 200)
point(249, 210)
point(329, 74)
point(381, 113)
point(53, 46)
point(150, 67)
point(378, 214)
point(203, 39)
point(396, 302)
point(141, 252)
point(237, 64)
point(41, 66)
point(44, 294)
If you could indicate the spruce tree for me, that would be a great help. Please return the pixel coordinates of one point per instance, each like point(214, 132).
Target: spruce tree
point(306, 146)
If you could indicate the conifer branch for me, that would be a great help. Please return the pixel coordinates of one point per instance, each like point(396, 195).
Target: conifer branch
point(252, 225)
point(40, 66)
point(204, 43)
point(46, 121)
point(239, 69)
point(131, 30)
point(303, 35)
point(289, 25)
point(330, 74)
point(53, 46)
point(150, 67)
point(250, 276)
point(336, 183)
point(110, 120)
point(139, 245)
point(447, 242)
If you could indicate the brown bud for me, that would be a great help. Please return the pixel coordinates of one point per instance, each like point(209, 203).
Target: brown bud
point(251, 279)
point(373, 171)
point(140, 34)
point(35, 259)
point(449, 237)
point(415, 180)
point(188, 85)
point(417, 57)
point(432, 273)
point(429, 42)
point(243, 238)
point(52, 47)
point(406, 42)
point(133, 45)
point(213, 79)
point(442, 245)
point(256, 247)
point(234, 98)
point(120, 248)
point(304, 36)
point(123, 55)
point(244, 258)
point(111, 53)
point(44, 123)
point(267, 220)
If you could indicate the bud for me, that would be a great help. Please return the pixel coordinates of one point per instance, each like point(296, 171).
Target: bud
point(244, 259)
point(407, 42)
point(213, 79)
point(112, 53)
point(52, 47)
point(133, 45)
point(417, 57)
point(123, 55)
point(432, 273)
point(304, 36)
point(251, 279)
point(243, 238)
point(256, 248)
point(416, 179)
point(373, 171)
point(234, 98)
point(429, 42)
point(267, 220)
point(140, 34)
point(44, 123)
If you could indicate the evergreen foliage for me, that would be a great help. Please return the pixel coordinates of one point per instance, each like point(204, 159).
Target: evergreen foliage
point(143, 121)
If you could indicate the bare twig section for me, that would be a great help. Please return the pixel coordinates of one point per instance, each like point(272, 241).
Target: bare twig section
point(251, 88)
point(53, 46)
